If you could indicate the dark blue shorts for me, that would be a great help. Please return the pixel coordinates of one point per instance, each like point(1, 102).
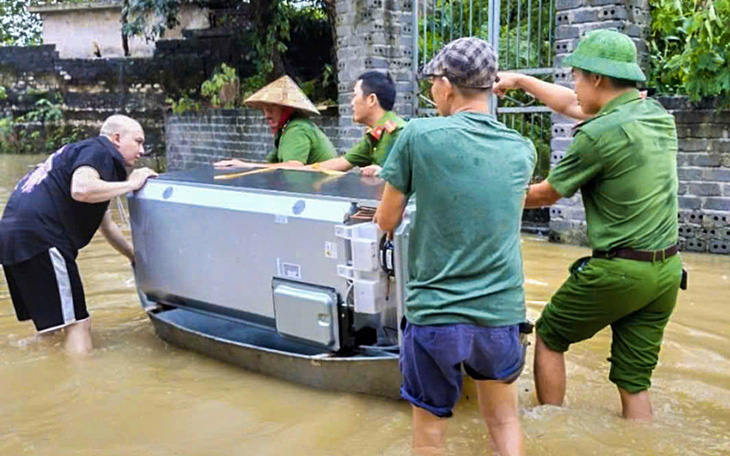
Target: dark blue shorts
point(431, 359)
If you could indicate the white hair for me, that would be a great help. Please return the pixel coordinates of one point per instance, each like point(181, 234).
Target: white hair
point(118, 123)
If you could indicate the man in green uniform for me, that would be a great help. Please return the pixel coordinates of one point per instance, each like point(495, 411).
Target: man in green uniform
point(623, 159)
point(298, 141)
point(465, 299)
point(372, 104)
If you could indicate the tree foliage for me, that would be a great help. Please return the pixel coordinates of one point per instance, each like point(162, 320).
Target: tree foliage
point(275, 25)
point(690, 48)
point(135, 14)
point(40, 129)
point(18, 27)
point(222, 89)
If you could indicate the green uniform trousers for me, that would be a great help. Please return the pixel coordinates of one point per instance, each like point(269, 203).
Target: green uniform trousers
point(635, 297)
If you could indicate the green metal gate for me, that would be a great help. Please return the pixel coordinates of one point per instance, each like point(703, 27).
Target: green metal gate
point(522, 33)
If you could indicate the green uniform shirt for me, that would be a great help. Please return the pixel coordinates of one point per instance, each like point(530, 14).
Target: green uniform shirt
point(301, 140)
point(374, 147)
point(470, 173)
point(624, 160)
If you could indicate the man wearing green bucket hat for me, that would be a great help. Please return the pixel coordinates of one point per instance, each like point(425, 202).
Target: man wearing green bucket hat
point(623, 159)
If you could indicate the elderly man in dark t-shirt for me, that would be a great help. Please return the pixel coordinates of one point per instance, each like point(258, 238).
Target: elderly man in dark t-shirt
point(53, 212)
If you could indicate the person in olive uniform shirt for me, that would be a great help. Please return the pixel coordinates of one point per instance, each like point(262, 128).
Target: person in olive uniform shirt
point(297, 140)
point(372, 103)
point(623, 159)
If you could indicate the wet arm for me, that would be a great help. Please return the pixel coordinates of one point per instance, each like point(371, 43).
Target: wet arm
point(113, 234)
point(390, 211)
point(88, 187)
point(558, 98)
point(236, 163)
point(335, 164)
point(288, 164)
point(541, 195)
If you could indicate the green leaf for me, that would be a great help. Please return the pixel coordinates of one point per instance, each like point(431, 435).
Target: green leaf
point(678, 6)
point(709, 29)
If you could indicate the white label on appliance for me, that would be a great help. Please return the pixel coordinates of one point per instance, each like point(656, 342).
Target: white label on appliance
point(281, 219)
point(291, 270)
point(330, 250)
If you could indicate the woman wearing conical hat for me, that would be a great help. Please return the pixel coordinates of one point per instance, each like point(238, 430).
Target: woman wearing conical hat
point(297, 139)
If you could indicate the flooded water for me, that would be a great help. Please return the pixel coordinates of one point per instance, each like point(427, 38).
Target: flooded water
point(138, 395)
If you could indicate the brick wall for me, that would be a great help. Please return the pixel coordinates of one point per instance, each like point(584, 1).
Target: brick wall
point(198, 139)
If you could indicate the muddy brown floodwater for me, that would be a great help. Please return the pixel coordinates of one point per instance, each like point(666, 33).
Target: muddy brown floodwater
point(138, 395)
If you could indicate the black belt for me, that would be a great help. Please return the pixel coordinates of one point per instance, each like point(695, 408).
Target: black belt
point(638, 255)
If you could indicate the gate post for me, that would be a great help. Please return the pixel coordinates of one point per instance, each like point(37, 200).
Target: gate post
point(493, 15)
point(573, 19)
point(373, 35)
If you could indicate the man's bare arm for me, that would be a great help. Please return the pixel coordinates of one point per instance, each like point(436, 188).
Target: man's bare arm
point(113, 234)
point(371, 170)
point(334, 164)
point(88, 187)
point(541, 195)
point(288, 164)
point(556, 97)
point(390, 211)
point(235, 163)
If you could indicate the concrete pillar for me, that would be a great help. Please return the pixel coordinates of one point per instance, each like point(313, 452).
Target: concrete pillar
point(573, 19)
point(373, 35)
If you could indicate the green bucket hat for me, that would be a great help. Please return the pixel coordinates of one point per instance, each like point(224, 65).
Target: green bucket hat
point(608, 53)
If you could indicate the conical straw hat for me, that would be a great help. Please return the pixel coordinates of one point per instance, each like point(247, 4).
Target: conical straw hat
point(283, 92)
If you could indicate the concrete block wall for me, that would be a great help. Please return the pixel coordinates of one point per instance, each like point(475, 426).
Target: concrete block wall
point(703, 165)
point(373, 35)
point(199, 139)
point(574, 18)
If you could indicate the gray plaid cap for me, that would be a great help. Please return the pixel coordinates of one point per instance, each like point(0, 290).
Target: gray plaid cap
point(467, 62)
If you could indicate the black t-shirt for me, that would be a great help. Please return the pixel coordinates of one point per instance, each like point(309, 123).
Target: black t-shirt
point(41, 213)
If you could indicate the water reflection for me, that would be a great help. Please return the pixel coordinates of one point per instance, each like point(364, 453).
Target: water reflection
point(138, 395)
